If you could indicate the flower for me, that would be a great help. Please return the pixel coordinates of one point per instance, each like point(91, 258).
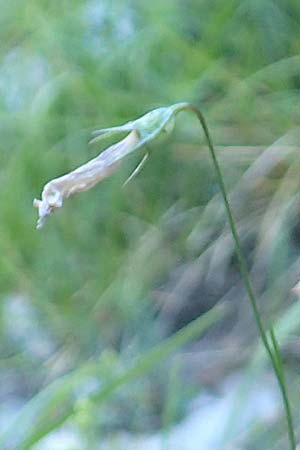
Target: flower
point(141, 131)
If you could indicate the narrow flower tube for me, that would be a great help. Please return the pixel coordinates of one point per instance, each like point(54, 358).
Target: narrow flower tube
point(141, 131)
point(83, 178)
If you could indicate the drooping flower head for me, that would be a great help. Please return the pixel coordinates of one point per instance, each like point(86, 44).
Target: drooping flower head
point(140, 132)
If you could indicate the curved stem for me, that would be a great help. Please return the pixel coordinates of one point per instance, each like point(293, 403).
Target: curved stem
point(245, 274)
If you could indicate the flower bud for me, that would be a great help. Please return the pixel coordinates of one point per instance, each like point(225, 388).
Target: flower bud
point(141, 131)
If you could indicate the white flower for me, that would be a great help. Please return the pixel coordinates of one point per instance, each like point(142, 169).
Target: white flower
point(141, 131)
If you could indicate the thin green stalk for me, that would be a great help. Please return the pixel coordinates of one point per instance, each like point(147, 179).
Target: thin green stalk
point(278, 369)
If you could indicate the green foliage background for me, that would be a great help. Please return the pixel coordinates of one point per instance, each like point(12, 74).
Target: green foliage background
point(93, 284)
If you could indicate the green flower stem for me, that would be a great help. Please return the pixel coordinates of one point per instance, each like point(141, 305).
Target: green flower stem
point(274, 357)
point(282, 383)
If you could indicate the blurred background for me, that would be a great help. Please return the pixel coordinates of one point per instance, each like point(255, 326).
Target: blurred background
point(118, 271)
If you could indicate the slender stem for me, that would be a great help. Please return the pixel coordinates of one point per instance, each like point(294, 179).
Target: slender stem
point(245, 274)
point(280, 373)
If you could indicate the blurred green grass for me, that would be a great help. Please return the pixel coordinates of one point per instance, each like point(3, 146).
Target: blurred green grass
point(108, 270)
